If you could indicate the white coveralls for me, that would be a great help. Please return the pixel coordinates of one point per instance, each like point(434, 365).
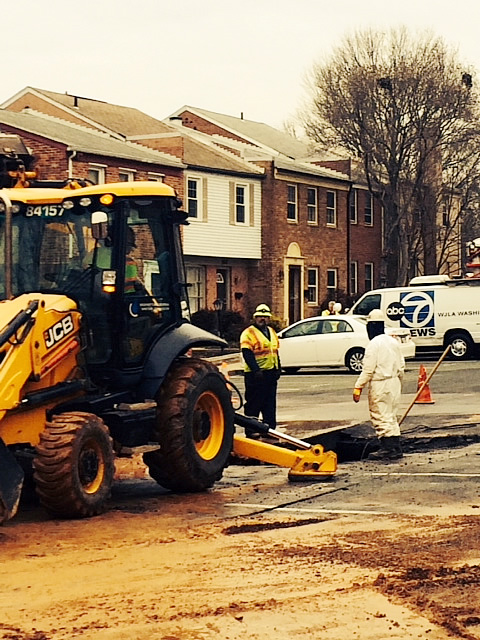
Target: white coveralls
point(383, 368)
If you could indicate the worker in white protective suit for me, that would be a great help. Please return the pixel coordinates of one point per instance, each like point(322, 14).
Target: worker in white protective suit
point(383, 369)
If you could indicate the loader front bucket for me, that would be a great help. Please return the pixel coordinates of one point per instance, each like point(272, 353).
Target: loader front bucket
point(11, 481)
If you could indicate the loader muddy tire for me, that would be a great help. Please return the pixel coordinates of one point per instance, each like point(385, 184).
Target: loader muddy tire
point(74, 465)
point(194, 427)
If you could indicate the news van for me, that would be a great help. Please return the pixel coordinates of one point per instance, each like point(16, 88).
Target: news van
point(438, 310)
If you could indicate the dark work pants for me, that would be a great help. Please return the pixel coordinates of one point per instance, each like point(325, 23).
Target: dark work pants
point(261, 396)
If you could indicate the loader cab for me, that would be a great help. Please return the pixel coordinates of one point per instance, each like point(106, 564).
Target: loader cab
point(116, 250)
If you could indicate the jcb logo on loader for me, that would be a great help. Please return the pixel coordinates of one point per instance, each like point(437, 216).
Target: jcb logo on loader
point(58, 331)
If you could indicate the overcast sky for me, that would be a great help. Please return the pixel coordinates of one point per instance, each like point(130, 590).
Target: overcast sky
point(227, 56)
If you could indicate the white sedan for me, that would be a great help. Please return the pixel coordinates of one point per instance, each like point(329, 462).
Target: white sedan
point(331, 341)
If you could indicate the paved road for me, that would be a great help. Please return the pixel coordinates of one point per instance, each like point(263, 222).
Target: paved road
point(439, 475)
point(325, 396)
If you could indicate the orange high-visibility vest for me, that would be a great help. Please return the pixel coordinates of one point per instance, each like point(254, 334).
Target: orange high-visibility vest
point(264, 350)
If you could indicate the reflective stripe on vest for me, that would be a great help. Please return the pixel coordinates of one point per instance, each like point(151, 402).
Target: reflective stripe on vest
point(131, 275)
point(264, 350)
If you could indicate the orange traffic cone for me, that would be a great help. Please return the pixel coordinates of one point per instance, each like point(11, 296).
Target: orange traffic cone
point(424, 396)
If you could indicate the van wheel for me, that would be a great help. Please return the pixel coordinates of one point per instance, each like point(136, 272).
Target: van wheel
point(461, 346)
point(354, 360)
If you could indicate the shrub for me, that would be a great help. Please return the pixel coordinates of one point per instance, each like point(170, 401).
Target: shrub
point(232, 323)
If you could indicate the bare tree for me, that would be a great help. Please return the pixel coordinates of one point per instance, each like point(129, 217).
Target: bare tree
point(406, 108)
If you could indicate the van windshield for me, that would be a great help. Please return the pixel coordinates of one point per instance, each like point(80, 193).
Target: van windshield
point(366, 304)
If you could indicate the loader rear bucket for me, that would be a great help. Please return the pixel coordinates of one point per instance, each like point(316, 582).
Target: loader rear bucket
point(11, 481)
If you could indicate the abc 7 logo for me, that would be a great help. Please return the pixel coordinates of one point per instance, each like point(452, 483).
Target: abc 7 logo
point(395, 311)
point(415, 310)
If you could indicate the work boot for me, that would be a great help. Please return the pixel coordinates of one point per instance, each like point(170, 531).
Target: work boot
point(390, 449)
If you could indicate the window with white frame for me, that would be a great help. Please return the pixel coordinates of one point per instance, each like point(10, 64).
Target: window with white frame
point(241, 204)
point(292, 203)
point(312, 285)
point(312, 207)
point(368, 209)
point(331, 208)
point(368, 276)
point(353, 278)
point(126, 175)
point(194, 198)
point(353, 206)
point(152, 176)
point(196, 288)
point(332, 282)
point(96, 173)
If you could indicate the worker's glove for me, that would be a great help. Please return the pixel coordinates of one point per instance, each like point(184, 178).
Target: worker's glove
point(356, 394)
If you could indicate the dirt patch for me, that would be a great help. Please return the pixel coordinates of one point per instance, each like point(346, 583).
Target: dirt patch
point(417, 568)
point(268, 526)
point(164, 567)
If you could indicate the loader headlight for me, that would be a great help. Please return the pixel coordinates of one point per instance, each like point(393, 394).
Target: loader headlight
point(85, 202)
point(68, 204)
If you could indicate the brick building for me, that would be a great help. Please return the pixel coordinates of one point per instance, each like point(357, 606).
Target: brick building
point(268, 221)
point(322, 230)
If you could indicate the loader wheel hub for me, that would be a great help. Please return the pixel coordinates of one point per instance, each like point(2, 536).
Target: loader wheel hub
point(91, 467)
point(208, 425)
point(201, 426)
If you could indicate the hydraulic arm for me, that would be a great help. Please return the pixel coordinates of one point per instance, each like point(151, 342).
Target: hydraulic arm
point(306, 462)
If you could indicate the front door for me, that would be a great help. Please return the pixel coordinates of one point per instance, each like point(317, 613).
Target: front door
point(294, 294)
point(223, 287)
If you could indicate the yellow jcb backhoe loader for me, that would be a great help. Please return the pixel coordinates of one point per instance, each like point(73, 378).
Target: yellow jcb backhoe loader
point(94, 337)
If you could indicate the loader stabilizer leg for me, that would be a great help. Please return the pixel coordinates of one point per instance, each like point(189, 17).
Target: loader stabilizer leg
point(305, 464)
point(11, 481)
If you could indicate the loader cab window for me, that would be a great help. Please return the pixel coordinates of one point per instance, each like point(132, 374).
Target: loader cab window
point(47, 251)
point(146, 298)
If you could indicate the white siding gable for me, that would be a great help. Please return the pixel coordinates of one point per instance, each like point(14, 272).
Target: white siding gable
point(215, 233)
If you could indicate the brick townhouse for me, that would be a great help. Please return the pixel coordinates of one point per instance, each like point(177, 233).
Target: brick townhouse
point(336, 257)
point(307, 233)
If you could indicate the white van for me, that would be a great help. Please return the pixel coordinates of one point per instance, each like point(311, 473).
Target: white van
point(438, 311)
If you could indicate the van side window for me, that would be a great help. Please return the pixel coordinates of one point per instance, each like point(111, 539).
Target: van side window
point(366, 304)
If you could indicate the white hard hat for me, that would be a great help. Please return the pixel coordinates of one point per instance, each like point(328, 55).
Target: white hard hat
point(375, 315)
point(262, 310)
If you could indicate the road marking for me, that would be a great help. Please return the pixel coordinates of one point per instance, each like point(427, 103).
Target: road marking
point(427, 473)
point(300, 510)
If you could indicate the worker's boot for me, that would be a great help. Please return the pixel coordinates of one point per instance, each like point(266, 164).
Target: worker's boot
point(390, 449)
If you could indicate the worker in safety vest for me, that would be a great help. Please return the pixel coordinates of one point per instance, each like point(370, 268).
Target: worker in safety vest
point(131, 267)
point(259, 344)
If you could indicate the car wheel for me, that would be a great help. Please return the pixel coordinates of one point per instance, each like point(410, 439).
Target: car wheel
point(461, 346)
point(354, 360)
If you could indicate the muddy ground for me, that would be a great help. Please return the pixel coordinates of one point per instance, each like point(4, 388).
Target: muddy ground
point(165, 567)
